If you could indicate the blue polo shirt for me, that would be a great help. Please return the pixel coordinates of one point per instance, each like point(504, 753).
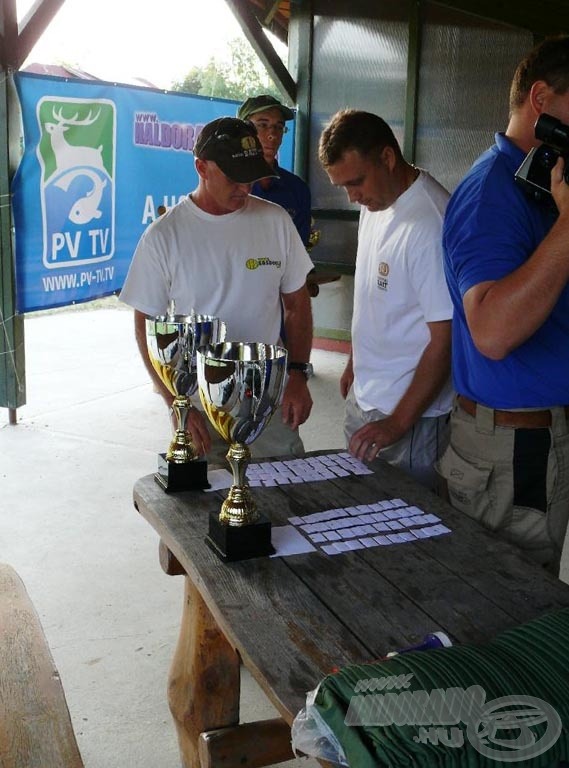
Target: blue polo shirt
point(491, 228)
point(293, 194)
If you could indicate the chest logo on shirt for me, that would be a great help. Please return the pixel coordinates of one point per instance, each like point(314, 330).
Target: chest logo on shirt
point(256, 263)
point(382, 273)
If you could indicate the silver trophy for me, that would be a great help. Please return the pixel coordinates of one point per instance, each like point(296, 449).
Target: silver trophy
point(240, 386)
point(172, 342)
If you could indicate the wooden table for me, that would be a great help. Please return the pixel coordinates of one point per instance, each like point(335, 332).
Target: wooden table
point(291, 620)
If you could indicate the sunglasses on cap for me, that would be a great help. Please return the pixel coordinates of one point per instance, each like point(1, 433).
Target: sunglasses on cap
point(227, 130)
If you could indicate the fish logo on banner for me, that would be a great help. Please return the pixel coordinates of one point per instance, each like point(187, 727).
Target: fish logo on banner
point(76, 153)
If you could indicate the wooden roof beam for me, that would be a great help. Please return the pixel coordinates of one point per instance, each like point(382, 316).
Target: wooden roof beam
point(270, 14)
point(262, 46)
point(33, 25)
point(8, 33)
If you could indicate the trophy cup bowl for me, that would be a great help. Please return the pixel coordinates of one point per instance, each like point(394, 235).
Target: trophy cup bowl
point(172, 342)
point(240, 386)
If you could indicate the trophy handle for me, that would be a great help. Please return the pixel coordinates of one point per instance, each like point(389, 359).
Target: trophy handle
point(182, 448)
point(239, 508)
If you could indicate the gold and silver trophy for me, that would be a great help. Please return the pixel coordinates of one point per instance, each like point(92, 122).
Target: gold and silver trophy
point(240, 385)
point(172, 342)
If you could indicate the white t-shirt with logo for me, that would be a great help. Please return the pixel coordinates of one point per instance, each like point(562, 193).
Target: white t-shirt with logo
point(399, 287)
point(233, 266)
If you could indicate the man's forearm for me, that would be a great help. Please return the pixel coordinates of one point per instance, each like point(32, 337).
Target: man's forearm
point(431, 374)
point(298, 326)
point(503, 314)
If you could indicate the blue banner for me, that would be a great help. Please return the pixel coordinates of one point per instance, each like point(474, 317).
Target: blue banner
point(99, 160)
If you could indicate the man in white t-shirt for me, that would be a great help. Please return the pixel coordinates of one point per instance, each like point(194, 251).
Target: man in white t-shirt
point(225, 253)
point(397, 379)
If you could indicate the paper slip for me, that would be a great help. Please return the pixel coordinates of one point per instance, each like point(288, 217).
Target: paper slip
point(288, 541)
point(335, 531)
point(219, 479)
point(270, 474)
point(309, 470)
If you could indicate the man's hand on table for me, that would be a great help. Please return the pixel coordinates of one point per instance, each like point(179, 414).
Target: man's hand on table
point(367, 442)
point(297, 400)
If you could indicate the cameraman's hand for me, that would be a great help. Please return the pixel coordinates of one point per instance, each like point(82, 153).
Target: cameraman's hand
point(559, 187)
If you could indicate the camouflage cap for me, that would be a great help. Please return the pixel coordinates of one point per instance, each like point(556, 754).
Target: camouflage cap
point(261, 103)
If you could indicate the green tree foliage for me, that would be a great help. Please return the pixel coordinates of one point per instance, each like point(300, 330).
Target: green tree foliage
point(242, 76)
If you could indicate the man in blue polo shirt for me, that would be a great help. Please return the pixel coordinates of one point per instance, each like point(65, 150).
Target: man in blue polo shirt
point(269, 116)
point(507, 267)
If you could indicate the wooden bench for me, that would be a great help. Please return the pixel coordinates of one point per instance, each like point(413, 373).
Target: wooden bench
point(35, 727)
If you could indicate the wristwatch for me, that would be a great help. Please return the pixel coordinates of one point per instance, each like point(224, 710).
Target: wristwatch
point(305, 368)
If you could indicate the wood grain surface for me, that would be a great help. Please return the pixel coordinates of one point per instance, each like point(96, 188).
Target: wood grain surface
point(293, 619)
point(35, 727)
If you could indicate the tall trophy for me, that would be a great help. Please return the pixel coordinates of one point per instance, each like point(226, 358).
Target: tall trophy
point(172, 342)
point(240, 385)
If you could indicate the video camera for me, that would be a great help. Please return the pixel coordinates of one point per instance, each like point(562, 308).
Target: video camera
point(534, 174)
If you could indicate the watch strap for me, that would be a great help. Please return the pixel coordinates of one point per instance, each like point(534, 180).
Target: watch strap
point(305, 368)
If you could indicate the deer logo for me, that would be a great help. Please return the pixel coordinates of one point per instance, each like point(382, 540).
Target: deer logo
point(70, 155)
point(76, 153)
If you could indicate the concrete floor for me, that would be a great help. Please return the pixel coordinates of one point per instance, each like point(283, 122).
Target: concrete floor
point(91, 426)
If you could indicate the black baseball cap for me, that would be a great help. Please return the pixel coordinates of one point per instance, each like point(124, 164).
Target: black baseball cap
point(233, 144)
point(259, 104)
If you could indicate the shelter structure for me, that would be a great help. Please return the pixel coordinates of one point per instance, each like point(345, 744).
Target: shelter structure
point(438, 72)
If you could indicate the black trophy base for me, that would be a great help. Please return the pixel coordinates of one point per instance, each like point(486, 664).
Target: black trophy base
point(231, 543)
point(172, 477)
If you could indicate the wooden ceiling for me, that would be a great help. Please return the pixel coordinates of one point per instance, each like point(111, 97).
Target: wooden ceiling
point(545, 17)
point(274, 15)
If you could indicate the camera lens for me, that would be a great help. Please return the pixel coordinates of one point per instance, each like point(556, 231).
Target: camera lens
point(549, 157)
point(552, 131)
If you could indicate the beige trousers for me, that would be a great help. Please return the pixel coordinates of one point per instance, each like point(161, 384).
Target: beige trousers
point(479, 470)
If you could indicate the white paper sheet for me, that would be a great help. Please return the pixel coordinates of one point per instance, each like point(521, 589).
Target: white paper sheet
point(219, 480)
point(288, 541)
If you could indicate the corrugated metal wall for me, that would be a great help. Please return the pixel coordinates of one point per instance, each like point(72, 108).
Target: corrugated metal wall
point(465, 68)
point(446, 72)
point(358, 63)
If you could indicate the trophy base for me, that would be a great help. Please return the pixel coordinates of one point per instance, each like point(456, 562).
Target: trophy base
point(191, 476)
point(231, 542)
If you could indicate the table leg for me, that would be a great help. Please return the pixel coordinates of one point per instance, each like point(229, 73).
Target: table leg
point(203, 687)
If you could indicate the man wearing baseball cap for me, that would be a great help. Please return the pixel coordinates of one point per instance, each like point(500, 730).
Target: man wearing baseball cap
point(223, 252)
point(287, 189)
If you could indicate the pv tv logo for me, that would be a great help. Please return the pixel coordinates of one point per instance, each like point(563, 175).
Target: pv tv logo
point(76, 153)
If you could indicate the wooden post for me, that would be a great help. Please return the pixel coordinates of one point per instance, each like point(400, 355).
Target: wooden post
point(168, 562)
point(12, 362)
point(203, 688)
point(254, 745)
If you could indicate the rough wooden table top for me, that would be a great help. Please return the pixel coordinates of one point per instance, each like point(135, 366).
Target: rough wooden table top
point(293, 619)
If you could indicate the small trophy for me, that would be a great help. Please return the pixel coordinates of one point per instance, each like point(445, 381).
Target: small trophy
point(240, 385)
point(172, 343)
